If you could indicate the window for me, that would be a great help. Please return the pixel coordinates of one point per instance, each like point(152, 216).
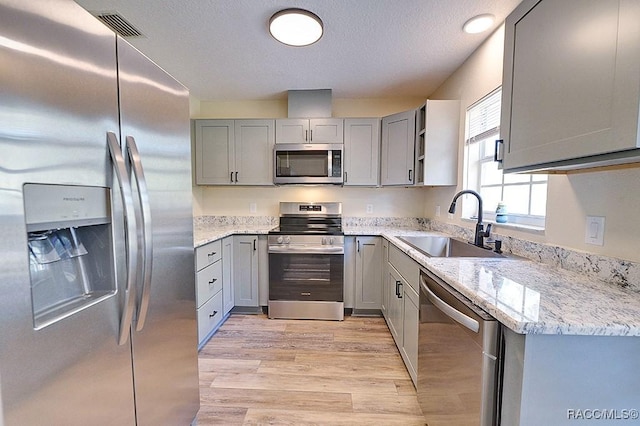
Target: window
point(525, 195)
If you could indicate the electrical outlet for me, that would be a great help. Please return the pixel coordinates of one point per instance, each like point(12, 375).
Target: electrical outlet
point(594, 230)
point(437, 211)
point(369, 208)
point(253, 207)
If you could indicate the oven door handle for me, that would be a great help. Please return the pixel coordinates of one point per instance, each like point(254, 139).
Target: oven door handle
point(306, 250)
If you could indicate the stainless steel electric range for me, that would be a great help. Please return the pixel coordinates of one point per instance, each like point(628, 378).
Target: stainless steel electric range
point(306, 262)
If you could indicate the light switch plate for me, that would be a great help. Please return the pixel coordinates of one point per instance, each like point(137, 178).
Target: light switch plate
point(253, 207)
point(594, 230)
point(369, 208)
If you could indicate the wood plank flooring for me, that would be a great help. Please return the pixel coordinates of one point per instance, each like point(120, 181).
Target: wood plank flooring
point(257, 371)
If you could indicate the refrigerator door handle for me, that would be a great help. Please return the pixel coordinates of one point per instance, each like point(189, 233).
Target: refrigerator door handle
point(147, 230)
point(130, 229)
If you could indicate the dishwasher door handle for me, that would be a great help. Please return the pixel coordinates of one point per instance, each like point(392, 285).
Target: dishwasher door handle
point(449, 311)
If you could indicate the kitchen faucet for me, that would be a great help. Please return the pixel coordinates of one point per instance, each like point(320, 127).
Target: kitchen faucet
point(480, 233)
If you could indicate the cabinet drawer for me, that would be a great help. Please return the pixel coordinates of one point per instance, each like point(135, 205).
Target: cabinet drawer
point(208, 282)
point(407, 267)
point(208, 254)
point(209, 316)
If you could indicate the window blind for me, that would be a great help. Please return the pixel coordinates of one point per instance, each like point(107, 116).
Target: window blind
point(484, 117)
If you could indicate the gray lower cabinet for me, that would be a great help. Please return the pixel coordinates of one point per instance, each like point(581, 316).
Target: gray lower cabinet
point(368, 274)
point(393, 286)
point(245, 270)
point(227, 275)
point(402, 312)
point(209, 284)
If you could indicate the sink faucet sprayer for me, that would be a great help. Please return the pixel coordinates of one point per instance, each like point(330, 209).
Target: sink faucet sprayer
point(480, 233)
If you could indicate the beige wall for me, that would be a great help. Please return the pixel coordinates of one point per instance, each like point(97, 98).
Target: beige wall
point(236, 200)
point(386, 202)
point(613, 193)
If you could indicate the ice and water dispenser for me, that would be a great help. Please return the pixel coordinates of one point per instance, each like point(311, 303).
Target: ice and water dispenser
point(70, 249)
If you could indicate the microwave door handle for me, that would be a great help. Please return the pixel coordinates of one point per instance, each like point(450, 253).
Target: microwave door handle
point(124, 183)
point(147, 231)
point(330, 163)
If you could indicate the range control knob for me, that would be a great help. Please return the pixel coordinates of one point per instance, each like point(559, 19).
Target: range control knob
point(287, 239)
point(280, 240)
point(324, 241)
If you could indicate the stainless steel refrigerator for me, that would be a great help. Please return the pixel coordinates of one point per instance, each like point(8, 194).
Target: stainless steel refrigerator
point(97, 295)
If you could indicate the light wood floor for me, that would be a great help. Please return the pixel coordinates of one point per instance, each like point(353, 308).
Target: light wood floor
point(258, 371)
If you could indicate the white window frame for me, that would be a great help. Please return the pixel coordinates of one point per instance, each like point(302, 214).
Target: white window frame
point(487, 130)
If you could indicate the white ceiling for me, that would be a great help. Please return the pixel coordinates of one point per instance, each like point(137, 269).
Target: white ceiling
point(222, 50)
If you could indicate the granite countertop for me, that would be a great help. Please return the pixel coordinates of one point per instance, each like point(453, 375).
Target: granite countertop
point(526, 296)
point(205, 234)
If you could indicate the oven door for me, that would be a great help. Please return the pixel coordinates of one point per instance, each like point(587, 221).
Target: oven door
point(306, 276)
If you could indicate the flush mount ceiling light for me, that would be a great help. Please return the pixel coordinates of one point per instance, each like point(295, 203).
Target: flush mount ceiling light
point(478, 24)
point(295, 27)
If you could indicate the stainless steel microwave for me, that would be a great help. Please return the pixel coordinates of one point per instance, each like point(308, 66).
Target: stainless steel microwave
point(308, 164)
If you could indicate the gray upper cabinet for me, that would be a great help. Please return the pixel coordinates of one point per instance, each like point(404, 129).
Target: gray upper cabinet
point(234, 152)
point(361, 152)
point(315, 130)
point(437, 141)
point(398, 148)
point(214, 152)
point(571, 85)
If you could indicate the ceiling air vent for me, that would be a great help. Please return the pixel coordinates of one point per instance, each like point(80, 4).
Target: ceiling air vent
point(118, 24)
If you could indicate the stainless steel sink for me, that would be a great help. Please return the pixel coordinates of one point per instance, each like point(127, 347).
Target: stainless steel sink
point(436, 246)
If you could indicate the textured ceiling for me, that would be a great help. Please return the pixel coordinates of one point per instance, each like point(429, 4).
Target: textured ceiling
point(221, 49)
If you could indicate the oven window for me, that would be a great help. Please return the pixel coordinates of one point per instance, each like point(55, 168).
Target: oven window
point(302, 163)
point(306, 276)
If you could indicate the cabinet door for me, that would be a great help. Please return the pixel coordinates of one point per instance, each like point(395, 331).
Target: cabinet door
point(245, 270)
point(214, 155)
point(570, 85)
point(410, 323)
point(361, 151)
point(368, 273)
point(398, 147)
point(395, 308)
point(254, 141)
point(326, 130)
point(227, 275)
point(292, 130)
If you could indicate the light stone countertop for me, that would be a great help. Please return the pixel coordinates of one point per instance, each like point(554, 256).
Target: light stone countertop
point(204, 234)
point(526, 296)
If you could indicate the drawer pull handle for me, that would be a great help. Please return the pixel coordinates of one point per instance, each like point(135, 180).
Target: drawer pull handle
point(213, 280)
point(213, 253)
point(213, 314)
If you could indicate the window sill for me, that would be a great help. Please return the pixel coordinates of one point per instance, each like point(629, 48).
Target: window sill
point(514, 226)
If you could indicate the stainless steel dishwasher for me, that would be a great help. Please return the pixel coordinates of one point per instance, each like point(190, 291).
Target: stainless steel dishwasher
point(458, 358)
